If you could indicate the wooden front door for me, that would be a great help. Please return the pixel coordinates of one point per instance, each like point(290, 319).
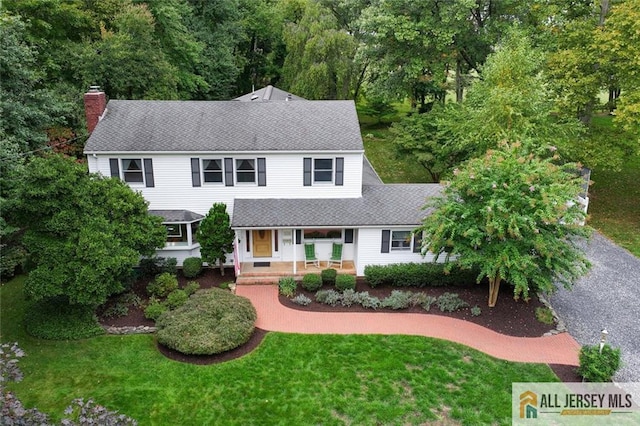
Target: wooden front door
point(262, 243)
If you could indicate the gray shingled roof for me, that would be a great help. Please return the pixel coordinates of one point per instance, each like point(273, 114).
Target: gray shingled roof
point(380, 205)
point(174, 216)
point(369, 174)
point(269, 93)
point(231, 126)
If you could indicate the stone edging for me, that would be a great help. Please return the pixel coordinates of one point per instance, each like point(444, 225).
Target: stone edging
point(560, 326)
point(143, 329)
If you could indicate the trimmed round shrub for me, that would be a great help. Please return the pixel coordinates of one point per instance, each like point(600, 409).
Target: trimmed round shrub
point(191, 267)
point(155, 309)
point(311, 282)
point(329, 276)
point(596, 366)
point(55, 319)
point(176, 298)
point(344, 282)
point(211, 321)
point(164, 284)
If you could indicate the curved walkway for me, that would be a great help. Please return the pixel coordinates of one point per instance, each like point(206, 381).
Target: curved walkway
point(273, 316)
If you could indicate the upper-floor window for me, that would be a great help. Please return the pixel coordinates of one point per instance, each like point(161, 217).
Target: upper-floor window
point(323, 170)
point(133, 170)
point(245, 170)
point(212, 170)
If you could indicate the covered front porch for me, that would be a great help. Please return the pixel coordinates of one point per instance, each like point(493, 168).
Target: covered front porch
point(270, 272)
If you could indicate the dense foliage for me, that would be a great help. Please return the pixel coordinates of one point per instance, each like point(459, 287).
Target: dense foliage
point(418, 275)
point(210, 322)
point(55, 319)
point(216, 236)
point(192, 267)
point(598, 365)
point(311, 282)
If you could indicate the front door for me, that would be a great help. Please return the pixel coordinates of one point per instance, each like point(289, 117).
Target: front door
point(262, 243)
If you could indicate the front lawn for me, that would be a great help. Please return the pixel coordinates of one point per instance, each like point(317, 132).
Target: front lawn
point(290, 378)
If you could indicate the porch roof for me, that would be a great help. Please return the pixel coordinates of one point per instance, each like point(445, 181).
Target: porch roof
point(380, 205)
point(176, 216)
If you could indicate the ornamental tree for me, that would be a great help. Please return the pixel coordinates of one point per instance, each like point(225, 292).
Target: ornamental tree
point(83, 232)
point(216, 236)
point(513, 216)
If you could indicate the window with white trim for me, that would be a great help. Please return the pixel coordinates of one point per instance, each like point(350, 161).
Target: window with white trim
point(322, 170)
point(212, 170)
point(400, 240)
point(181, 234)
point(132, 170)
point(246, 170)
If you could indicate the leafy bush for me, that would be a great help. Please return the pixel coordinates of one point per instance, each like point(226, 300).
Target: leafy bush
point(368, 301)
point(427, 302)
point(287, 286)
point(176, 298)
point(476, 311)
point(397, 300)
point(544, 315)
point(191, 287)
point(344, 282)
point(116, 310)
point(210, 322)
point(417, 275)
point(301, 299)
point(119, 306)
point(152, 266)
point(329, 276)
point(155, 309)
point(349, 297)
point(55, 319)
point(417, 298)
point(224, 285)
point(450, 302)
point(164, 284)
point(311, 282)
point(328, 297)
point(191, 267)
point(596, 366)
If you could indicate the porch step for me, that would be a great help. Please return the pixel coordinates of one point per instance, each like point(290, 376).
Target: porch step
point(253, 278)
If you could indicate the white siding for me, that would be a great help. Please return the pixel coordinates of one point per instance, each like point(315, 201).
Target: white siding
point(368, 251)
point(284, 174)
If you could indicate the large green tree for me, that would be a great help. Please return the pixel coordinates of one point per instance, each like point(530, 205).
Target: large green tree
point(216, 236)
point(84, 233)
point(513, 216)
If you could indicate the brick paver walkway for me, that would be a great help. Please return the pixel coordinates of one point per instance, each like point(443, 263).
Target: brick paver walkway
point(273, 316)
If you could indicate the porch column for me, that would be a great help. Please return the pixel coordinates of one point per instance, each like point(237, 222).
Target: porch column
point(295, 262)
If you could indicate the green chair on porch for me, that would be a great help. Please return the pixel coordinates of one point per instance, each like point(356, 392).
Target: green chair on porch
point(310, 256)
point(336, 255)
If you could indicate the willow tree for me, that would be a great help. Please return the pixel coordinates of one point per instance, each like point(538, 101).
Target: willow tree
point(513, 216)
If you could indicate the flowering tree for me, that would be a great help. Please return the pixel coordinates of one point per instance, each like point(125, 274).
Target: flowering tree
point(513, 216)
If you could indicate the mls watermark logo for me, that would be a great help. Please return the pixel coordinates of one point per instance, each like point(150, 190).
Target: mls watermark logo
point(575, 403)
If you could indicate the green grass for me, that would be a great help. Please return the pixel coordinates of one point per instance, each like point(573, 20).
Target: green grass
point(289, 379)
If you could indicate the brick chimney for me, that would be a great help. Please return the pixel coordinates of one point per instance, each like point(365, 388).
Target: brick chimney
point(95, 102)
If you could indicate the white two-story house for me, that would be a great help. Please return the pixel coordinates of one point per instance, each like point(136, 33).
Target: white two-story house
point(289, 170)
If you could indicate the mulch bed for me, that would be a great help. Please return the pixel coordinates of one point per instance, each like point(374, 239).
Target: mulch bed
point(514, 318)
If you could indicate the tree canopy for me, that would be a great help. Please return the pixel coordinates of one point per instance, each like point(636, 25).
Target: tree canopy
point(216, 236)
point(513, 216)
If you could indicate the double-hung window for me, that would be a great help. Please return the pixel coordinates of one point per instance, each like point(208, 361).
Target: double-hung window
point(132, 171)
point(212, 170)
point(245, 170)
point(400, 240)
point(322, 170)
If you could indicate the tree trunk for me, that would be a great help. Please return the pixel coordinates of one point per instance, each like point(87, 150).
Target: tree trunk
point(459, 87)
point(494, 288)
point(221, 267)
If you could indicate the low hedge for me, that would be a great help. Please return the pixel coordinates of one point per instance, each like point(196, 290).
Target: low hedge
point(417, 275)
point(55, 319)
point(211, 321)
point(345, 282)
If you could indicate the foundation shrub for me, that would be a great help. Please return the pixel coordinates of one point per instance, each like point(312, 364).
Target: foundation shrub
point(56, 319)
point(192, 267)
point(329, 276)
point(344, 282)
point(311, 282)
point(398, 299)
point(162, 285)
point(417, 275)
point(152, 266)
point(287, 286)
point(211, 321)
point(596, 366)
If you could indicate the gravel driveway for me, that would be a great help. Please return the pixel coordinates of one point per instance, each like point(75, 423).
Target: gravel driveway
point(607, 297)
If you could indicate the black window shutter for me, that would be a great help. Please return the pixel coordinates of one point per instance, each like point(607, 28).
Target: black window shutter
point(228, 171)
point(262, 172)
point(417, 242)
point(114, 164)
point(307, 171)
point(339, 171)
point(148, 172)
point(298, 236)
point(386, 237)
point(348, 236)
point(195, 172)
